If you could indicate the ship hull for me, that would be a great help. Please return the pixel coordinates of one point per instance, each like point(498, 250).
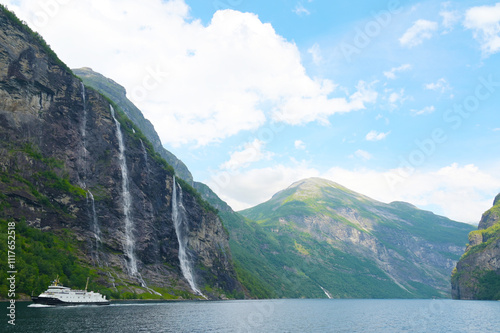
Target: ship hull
point(58, 302)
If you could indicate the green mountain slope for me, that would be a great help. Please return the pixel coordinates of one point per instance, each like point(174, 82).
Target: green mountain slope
point(317, 238)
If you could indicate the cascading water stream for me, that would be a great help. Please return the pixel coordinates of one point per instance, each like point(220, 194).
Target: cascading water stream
point(129, 246)
point(83, 131)
point(179, 217)
point(95, 228)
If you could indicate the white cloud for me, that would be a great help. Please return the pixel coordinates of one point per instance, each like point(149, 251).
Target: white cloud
point(450, 19)
point(392, 73)
point(461, 193)
point(441, 86)
point(315, 52)
point(301, 10)
point(197, 84)
point(242, 190)
point(427, 110)
point(315, 105)
point(251, 152)
point(362, 154)
point(299, 144)
point(485, 23)
point(376, 136)
point(395, 99)
point(418, 32)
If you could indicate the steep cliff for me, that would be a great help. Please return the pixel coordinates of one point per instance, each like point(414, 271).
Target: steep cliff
point(118, 94)
point(72, 163)
point(477, 274)
point(324, 240)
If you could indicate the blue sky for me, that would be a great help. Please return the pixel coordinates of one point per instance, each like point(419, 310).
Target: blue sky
point(397, 100)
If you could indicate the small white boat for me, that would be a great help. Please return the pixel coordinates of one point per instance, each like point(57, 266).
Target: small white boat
point(57, 294)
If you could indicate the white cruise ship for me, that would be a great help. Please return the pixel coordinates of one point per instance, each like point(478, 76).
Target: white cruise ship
point(60, 295)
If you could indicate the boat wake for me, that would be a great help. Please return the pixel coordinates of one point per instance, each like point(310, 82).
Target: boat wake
point(41, 306)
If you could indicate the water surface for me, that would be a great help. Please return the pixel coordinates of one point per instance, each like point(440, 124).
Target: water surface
point(262, 316)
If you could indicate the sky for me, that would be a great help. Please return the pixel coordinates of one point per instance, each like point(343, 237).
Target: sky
point(397, 100)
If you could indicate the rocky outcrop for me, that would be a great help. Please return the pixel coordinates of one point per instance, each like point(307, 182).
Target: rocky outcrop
point(60, 169)
point(477, 274)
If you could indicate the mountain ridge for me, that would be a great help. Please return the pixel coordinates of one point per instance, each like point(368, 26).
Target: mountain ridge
point(316, 216)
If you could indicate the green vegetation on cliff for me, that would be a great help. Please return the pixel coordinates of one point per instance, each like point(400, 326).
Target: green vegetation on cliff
point(477, 275)
point(39, 258)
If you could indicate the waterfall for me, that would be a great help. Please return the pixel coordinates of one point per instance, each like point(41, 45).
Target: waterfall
point(129, 246)
point(112, 279)
point(95, 228)
point(144, 285)
point(181, 229)
point(327, 293)
point(83, 131)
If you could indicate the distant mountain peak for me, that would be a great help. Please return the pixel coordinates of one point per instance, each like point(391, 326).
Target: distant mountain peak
point(315, 182)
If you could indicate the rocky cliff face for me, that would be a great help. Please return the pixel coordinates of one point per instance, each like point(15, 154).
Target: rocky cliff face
point(61, 167)
point(477, 274)
point(117, 94)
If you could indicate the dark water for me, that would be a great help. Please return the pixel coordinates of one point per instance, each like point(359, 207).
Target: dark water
point(262, 316)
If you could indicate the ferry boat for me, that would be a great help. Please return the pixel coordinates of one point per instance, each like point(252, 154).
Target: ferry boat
point(57, 294)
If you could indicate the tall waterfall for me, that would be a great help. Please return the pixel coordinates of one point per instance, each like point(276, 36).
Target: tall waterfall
point(96, 247)
point(83, 131)
point(129, 246)
point(181, 229)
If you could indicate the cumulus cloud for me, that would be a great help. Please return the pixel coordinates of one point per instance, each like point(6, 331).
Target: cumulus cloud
point(395, 98)
point(418, 32)
point(485, 23)
point(461, 193)
point(376, 136)
point(392, 73)
point(314, 103)
point(251, 152)
point(440, 85)
point(299, 144)
point(198, 84)
point(242, 190)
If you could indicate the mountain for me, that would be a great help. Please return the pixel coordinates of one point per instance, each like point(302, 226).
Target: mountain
point(477, 275)
point(118, 95)
point(317, 239)
point(87, 194)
